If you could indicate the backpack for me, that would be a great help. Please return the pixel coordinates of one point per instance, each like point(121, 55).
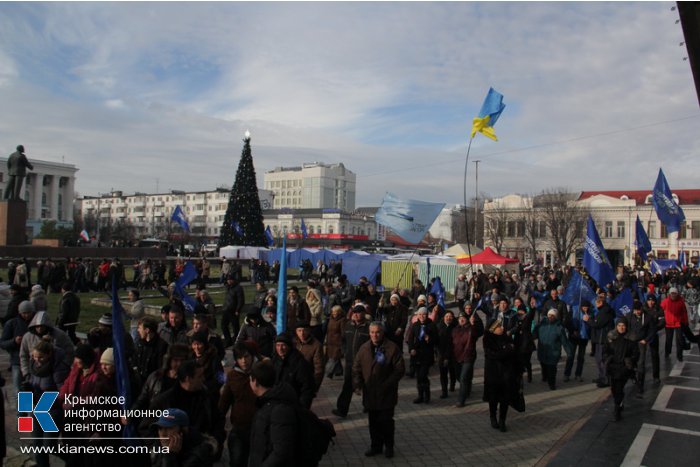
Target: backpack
point(315, 434)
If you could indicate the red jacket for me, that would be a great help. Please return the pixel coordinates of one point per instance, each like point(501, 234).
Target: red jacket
point(675, 312)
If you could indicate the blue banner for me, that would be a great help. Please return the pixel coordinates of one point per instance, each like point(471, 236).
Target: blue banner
point(282, 290)
point(439, 291)
point(409, 219)
point(304, 233)
point(641, 240)
point(268, 236)
point(595, 260)
point(189, 273)
point(622, 303)
point(668, 211)
point(578, 290)
point(179, 217)
point(120, 360)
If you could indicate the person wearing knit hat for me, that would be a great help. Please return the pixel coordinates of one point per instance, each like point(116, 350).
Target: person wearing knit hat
point(421, 345)
point(107, 357)
point(105, 319)
point(621, 355)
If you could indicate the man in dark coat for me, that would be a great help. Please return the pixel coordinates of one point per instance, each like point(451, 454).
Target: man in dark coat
point(149, 348)
point(275, 427)
point(68, 312)
point(17, 165)
point(257, 330)
point(376, 372)
point(621, 356)
point(602, 323)
point(355, 335)
point(291, 368)
point(231, 310)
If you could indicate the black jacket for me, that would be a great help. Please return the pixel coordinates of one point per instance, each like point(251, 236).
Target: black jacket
point(234, 300)
point(602, 323)
point(425, 350)
point(297, 372)
point(620, 355)
point(274, 431)
point(148, 356)
point(262, 333)
point(353, 337)
point(195, 404)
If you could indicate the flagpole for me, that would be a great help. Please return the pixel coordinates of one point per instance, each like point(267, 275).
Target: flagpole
point(466, 223)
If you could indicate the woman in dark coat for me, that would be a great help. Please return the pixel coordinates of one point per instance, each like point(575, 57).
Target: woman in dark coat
point(620, 355)
point(447, 360)
point(501, 384)
point(334, 342)
point(422, 348)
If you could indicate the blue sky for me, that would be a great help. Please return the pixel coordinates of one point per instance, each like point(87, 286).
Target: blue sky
point(598, 95)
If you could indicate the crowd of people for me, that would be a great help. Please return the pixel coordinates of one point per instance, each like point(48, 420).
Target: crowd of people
point(334, 329)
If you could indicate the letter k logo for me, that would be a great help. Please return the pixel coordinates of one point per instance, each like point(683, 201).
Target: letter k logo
point(25, 403)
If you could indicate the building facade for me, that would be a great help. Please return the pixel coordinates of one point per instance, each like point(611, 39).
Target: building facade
point(313, 185)
point(49, 191)
point(148, 215)
point(614, 213)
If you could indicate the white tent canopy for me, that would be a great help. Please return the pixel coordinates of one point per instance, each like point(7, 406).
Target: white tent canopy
point(240, 252)
point(460, 249)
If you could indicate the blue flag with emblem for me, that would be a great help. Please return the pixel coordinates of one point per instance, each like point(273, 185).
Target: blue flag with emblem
point(304, 233)
point(595, 260)
point(179, 217)
point(268, 236)
point(439, 291)
point(409, 219)
point(578, 290)
point(641, 240)
point(622, 303)
point(120, 359)
point(282, 290)
point(189, 273)
point(661, 265)
point(668, 211)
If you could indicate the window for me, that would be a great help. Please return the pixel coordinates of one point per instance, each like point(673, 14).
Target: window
point(652, 229)
point(543, 229)
point(520, 229)
point(683, 233)
point(608, 229)
point(620, 229)
point(664, 232)
point(510, 229)
point(318, 229)
point(330, 229)
point(695, 229)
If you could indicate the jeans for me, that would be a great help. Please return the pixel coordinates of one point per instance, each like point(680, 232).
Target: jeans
point(334, 368)
point(466, 374)
point(578, 346)
point(238, 448)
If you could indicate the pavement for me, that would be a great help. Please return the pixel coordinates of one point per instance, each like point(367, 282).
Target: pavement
point(571, 425)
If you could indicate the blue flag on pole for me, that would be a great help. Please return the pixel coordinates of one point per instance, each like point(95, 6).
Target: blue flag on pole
point(661, 265)
point(409, 219)
point(268, 236)
point(622, 303)
point(189, 273)
point(682, 261)
point(237, 228)
point(641, 240)
point(439, 291)
point(595, 260)
point(668, 211)
point(491, 109)
point(578, 290)
point(179, 217)
point(282, 290)
point(120, 360)
point(304, 233)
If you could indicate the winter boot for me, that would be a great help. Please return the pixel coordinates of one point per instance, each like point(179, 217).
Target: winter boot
point(420, 398)
point(426, 393)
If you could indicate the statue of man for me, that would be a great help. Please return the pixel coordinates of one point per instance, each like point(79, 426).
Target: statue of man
point(17, 165)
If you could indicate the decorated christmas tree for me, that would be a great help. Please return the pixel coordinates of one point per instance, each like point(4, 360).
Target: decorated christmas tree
point(243, 222)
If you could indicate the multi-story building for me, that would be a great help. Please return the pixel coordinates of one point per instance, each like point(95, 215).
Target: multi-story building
point(313, 185)
point(614, 213)
point(149, 214)
point(48, 191)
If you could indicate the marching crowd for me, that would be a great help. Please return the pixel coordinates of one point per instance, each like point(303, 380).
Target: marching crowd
point(335, 329)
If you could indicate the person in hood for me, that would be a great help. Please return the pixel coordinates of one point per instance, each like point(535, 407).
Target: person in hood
point(38, 298)
point(275, 426)
point(39, 328)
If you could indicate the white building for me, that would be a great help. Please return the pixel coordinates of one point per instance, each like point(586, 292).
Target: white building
point(149, 214)
point(449, 225)
point(614, 213)
point(49, 190)
point(312, 186)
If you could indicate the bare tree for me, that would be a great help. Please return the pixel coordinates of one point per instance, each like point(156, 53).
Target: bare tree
point(495, 224)
point(532, 231)
point(565, 220)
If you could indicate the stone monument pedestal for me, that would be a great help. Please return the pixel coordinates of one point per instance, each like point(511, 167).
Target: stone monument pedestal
point(13, 222)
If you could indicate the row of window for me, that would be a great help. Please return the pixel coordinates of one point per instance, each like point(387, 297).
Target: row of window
point(516, 229)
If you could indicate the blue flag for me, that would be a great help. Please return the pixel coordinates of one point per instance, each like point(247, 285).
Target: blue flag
point(661, 265)
point(439, 291)
point(237, 228)
point(578, 290)
point(304, 233)
point(120, 360)
point(682, 260)
point(641, 240)
point(409, 219)
point(189, 273)
point(622, 303)
point(491, 109)
point(595, 260)
point(269, 237)
point(669, 213)
point(282, 290)
point(179, 217)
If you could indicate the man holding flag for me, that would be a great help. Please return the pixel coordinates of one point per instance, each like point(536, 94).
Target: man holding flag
point(595, 259)
point(179, 217)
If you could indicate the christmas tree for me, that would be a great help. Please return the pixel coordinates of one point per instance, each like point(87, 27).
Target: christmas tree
point(243, 222)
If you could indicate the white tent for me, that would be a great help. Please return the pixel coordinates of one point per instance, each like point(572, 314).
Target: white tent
point(460, 249)
point(240, 252)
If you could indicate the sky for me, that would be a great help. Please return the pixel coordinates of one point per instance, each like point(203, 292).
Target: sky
point(157, 96)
